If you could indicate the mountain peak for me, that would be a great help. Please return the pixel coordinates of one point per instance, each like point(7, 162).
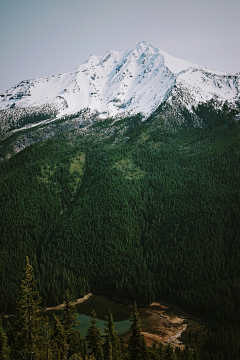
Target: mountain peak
point(123, 83)
point(142, 44)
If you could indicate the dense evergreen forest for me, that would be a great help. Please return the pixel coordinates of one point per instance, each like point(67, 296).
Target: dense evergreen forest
point(134, 208)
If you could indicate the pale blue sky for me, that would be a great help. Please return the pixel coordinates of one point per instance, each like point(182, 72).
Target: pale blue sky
point(39, 38)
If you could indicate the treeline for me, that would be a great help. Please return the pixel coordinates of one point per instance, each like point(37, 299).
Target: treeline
point(135, 209)
point(34, 337)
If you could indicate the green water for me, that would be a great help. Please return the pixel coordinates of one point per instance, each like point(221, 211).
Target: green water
point(122, 327)
point(101, 304)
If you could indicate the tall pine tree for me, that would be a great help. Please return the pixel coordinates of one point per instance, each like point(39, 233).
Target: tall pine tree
point(136, 343)
point(59, 345)
point(4, 349)
point(112, 344)
point(73, 337)
point(27, 323)
point(94, 338)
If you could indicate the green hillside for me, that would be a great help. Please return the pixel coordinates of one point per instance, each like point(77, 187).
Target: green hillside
point(133, 208)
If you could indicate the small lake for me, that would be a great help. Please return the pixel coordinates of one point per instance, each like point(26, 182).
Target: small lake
point(101, 304)
point(121, 327)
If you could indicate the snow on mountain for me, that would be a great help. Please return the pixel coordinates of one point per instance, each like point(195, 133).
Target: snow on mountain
point(120, 83)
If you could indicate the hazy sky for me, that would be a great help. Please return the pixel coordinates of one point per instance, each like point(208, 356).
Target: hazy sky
point(39, 38)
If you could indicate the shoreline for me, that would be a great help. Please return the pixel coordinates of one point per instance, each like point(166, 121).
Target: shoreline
point(61, 306)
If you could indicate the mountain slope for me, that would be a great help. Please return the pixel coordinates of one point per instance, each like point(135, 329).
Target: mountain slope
point(117, 84)
point(136, 209)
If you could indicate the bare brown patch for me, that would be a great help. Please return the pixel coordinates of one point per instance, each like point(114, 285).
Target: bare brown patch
point(160, 324)
point(61, 306)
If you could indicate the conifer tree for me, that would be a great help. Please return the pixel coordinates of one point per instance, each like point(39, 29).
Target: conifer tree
point(186, 354)
point(108, 349)
point(27, 323)
point(136, 343)
point(144, 349)
point(123, 351)
point(169, 353)
point(59, 346)
point(4, 349)
point(94, 338)
point(69, 314)
point(69, 322)
point(45, 340)
point(10, 338)
point(111, 344)
point(76, 345)
point(161, 350)
point(153, 352)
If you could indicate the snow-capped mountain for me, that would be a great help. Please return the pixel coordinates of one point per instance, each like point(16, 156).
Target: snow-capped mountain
point(121, 83)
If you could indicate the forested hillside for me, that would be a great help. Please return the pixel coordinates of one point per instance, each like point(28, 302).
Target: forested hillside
point(134, 208)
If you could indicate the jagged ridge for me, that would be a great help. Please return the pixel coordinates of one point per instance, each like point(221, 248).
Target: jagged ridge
point(120, 84)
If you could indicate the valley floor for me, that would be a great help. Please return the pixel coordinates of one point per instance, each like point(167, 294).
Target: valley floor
point(159, 323)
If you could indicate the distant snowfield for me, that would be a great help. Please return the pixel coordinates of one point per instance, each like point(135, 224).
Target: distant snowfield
point(119, 83)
